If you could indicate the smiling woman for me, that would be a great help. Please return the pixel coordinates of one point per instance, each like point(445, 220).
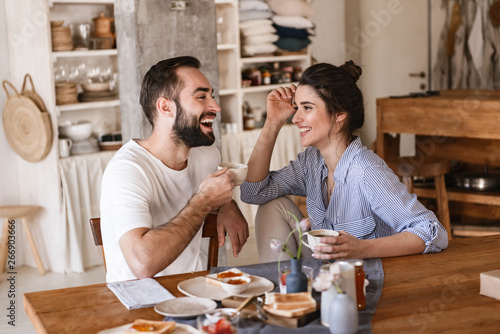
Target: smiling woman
point(348, 188)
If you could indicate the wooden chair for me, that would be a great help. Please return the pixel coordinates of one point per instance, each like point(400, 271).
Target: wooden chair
point(430, 167)
point(209, 231)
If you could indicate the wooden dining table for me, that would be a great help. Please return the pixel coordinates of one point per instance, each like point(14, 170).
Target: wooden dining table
point(424, 293)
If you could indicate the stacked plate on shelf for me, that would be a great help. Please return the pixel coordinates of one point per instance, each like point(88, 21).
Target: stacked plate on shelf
point(97, 91)
point(62, 39)
point(89, 145)
point(66, 93)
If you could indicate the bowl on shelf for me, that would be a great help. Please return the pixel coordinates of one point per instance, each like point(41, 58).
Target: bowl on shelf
point(95, 87)
point(79, 130)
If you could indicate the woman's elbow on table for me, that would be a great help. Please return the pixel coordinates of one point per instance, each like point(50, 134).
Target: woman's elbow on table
point(438, 241)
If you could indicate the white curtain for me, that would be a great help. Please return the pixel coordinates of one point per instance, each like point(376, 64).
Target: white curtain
point(81, 192)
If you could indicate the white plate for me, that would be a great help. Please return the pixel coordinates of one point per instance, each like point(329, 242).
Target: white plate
point(179, 329)
point(198, 287)
point(185, 307)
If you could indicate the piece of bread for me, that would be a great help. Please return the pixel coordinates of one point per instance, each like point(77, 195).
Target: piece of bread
point(150, 326)
point(290, 301)
point(233, 272)
point(289, 313)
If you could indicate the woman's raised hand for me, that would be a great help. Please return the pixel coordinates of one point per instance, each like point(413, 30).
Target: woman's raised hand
point(280, 105)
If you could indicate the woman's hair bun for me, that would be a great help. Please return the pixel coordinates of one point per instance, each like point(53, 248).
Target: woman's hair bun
point(352, 69)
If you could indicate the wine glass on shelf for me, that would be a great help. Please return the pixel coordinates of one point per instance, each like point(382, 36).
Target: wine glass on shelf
point(220, 28)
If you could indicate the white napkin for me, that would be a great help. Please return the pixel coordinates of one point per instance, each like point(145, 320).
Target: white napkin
point(140, 293)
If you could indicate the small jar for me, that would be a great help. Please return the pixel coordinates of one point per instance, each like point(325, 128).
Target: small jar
point(297, 73)
point(266, 77)
point(359, 272)
point(256, 77)
point(248, 122)
point(287, 74)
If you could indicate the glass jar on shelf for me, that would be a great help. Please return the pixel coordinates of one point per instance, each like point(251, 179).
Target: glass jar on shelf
point(287, 73)
point(248, 117)
point(276, 74)
point(266, 77)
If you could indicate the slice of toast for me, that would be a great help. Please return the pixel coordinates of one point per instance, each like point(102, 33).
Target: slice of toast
point(233, 272)
point(290, 301)
point(150, 326)
point(289, 313)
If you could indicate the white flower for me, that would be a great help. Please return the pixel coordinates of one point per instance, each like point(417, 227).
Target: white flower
point(305, 225)
point(326, 279)
point(322, 282)
point(276, 245)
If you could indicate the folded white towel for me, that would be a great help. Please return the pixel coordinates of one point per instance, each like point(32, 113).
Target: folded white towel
point(140, 293)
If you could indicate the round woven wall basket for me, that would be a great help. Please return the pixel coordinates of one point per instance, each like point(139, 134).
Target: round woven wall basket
point(27, 128)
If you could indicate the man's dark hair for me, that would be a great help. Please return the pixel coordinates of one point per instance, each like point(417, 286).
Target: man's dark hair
point(162, 81)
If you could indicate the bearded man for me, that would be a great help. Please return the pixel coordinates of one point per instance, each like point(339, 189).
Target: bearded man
point(156, 192)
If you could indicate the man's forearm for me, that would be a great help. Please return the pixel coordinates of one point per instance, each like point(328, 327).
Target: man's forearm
point(149, 251)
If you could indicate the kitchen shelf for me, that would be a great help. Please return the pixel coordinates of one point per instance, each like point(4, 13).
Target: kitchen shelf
point(487, 198)
point(229, 46)
point(265, 88)
point(82, 2)
point(272, 59)
point(231, 66)
point(83, 53)
point(228, 91)
point(88, 105)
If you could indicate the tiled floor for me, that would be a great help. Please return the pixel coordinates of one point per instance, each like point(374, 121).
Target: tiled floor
point(28, 280)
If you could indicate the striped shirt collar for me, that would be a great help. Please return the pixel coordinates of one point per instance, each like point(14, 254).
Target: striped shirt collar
point(345, 161)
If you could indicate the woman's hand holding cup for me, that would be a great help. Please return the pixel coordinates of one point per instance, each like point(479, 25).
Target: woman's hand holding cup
point(314, 236)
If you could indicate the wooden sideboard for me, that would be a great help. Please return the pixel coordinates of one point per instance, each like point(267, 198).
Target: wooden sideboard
point(459, 125)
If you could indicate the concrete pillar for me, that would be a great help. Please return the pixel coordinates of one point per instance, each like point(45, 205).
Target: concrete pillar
point(149, 31)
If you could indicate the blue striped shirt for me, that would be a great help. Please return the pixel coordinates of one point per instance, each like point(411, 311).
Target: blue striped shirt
point(368, 200)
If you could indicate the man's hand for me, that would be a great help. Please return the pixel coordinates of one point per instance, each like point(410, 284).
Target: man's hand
point(216, 190)
point(231, 219)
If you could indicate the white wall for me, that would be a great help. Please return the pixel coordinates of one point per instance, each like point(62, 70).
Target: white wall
point(9, 190)
point(329, 17)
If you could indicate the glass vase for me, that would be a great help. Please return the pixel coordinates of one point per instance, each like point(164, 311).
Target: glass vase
point(296, 280)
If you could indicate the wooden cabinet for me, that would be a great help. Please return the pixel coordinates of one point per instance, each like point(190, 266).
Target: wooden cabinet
point(232, 94)
point(458, 125)
point(104, 114)
point(41, 183)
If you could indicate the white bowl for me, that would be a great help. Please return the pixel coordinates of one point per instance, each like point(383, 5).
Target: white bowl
point(235, 285)
point(240, 171)
point(79, 130)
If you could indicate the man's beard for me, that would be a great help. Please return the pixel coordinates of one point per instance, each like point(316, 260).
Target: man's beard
point(188, 132)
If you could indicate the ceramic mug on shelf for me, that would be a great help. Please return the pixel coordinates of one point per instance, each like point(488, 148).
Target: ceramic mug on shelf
point(314, 235)
point(64, 147)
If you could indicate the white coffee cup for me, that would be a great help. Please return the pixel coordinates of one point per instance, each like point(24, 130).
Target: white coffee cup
point(64, 147)
point(240, 171)
point(314, 235)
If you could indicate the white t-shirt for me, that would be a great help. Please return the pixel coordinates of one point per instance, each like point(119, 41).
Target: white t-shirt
point(138, 190)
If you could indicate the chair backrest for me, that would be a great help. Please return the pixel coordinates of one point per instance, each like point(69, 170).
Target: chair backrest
point(209, 231)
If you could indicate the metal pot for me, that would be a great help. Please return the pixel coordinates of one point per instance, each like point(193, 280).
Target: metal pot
point(479, 181)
